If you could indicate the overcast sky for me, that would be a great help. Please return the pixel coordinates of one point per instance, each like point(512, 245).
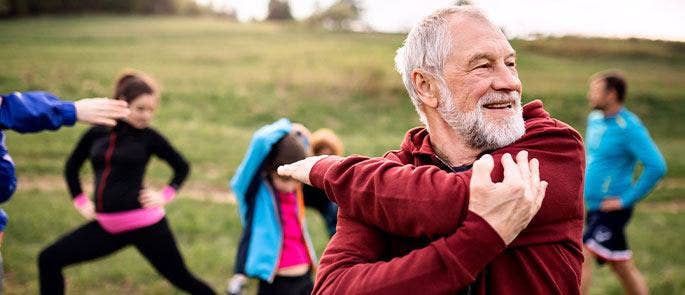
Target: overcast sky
point(654, 19)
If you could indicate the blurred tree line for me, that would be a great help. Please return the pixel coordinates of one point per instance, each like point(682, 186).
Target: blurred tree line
point(18, 8)
point(341, 15)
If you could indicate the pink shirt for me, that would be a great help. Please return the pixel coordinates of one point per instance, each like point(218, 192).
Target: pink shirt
point(294, 250)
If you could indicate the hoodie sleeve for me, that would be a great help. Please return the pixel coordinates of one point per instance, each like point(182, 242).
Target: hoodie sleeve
point(378, 190)
point(35, 111)
point(8, 178)
point(357, 253)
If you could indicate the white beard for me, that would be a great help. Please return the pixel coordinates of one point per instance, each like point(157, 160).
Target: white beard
point(479, 133)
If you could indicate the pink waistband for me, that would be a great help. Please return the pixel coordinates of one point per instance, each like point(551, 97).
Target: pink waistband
point(119, 222)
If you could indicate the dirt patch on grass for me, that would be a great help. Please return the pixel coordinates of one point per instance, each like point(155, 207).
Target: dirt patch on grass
point(194, 191)
point(676, 206)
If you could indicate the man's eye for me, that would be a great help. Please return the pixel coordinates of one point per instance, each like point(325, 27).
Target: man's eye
point(511, 64)
point(483, 66)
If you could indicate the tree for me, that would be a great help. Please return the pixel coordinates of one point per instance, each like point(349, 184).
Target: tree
point(339, 16)
point(279, 10)
point(463, 2)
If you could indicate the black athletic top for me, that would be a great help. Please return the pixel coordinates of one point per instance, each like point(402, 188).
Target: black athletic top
point(119, 157)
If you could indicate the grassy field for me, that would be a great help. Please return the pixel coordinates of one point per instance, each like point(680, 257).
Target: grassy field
point(223, 80)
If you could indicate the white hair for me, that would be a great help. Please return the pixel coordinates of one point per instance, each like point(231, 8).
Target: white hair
point(427, 46)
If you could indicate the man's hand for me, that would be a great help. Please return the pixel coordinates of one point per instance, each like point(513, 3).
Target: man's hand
point(611, 204)
point(508, 206)
point(101, 111)
point(300, 169)
point(151, 199)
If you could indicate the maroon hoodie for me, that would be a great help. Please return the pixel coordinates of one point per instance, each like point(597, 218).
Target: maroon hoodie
point(404, 225)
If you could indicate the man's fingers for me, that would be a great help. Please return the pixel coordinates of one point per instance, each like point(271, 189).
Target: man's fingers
point(482, 169)
point(511, 170)
point(300, 170)
point(534, 179)
point(524, 168)
point(294, 170)
point(95, 110)
point(541, 194)
point(285, 170)
point(534, 171)
point(106, 122)
point(118, 102)
point(112, 109)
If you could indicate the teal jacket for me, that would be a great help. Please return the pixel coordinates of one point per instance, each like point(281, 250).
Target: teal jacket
point(614, 146)
point(262, 239)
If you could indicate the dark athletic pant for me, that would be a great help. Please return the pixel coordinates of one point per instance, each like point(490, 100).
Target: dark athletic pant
point(90, 241)
point(301, 285)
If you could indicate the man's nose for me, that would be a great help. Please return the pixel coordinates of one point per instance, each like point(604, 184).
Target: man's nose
point(506, 79)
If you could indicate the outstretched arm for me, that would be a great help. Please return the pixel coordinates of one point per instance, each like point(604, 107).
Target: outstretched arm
point(39, 110)
point(377, 191)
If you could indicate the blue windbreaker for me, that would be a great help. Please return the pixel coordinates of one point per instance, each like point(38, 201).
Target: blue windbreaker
point(27, 112)
point(614, 146)
point(258, 207)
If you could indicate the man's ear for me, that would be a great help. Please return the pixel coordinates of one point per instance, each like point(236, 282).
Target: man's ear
point(612, 96)
point(426, 87)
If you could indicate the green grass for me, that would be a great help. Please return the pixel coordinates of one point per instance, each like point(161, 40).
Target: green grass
point(222, 80)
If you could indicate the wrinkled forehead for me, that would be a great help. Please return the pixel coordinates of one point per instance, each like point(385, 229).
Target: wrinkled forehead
point(476, 37)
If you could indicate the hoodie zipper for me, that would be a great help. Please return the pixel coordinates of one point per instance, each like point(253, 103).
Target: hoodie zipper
point(107, 170)
point(280, 225)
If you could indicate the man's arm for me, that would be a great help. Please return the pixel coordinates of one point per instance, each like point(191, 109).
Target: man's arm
point(35, 111)
point(446, 265)
point(645, 150)
point(377, 191)
point(38, 110)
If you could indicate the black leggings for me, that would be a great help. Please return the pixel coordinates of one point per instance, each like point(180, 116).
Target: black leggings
point(90, 241)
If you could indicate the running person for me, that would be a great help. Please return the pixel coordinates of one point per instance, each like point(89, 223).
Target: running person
point(125, 212)
point(616, 141)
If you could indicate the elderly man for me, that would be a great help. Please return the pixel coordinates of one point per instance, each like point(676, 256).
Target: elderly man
point(410, 223)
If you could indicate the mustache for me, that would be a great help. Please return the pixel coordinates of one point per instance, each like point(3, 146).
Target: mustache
point(499, 96)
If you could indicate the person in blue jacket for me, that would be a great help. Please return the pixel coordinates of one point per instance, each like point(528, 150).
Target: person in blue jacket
point(27, 112)
point(274, 246)
point(615, 141)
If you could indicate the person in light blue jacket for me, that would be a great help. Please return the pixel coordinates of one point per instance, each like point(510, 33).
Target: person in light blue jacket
point(616, 141)
point(36, 111)
point(275, 246)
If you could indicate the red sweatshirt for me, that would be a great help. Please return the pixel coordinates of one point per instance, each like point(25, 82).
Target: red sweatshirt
point(404, 225)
